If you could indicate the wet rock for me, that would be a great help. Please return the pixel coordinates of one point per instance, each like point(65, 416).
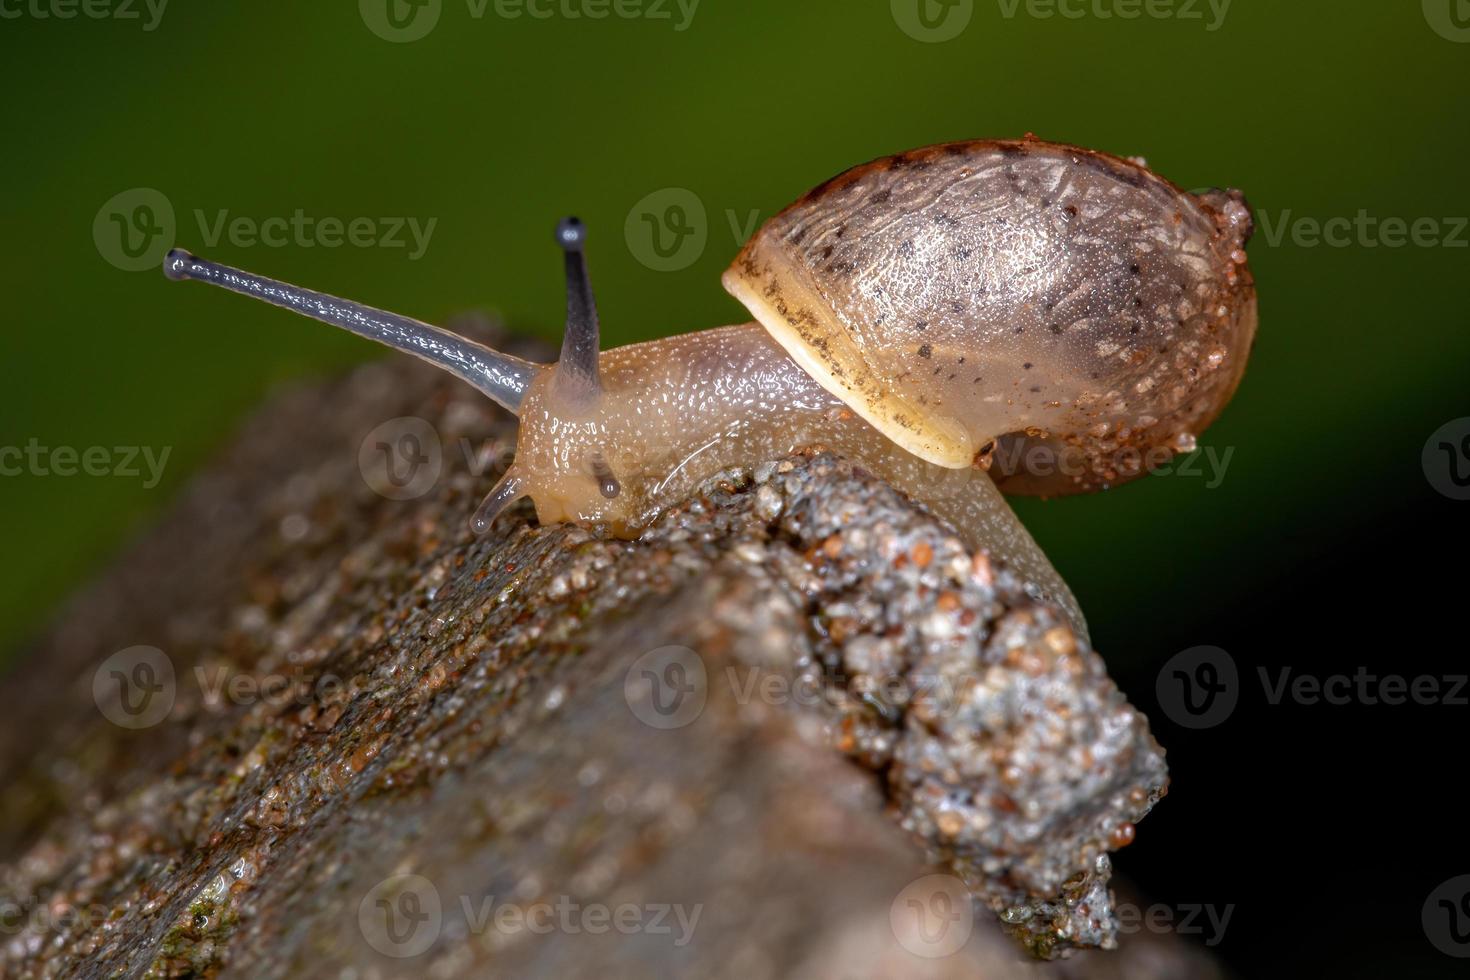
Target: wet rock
point(304, 728)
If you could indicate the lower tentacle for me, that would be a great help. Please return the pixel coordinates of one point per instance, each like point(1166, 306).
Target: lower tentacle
point(508, 490)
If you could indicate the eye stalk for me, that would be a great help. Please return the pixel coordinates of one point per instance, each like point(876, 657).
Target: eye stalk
point(503, 377)
point(607, 483)
point(575, 386)
point(578, 382)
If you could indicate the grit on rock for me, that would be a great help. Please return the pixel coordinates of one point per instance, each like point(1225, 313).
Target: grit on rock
point(375, 714)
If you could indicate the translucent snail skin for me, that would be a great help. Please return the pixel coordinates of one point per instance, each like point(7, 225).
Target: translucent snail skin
point(962, 319)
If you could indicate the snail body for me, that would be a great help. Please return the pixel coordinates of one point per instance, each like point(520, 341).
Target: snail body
point(1019, 314)
point(674, 412)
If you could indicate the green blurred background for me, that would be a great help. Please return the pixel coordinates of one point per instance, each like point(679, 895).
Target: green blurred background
point(494, 126)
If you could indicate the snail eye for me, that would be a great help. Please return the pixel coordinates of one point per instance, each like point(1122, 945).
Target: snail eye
point(606, 482)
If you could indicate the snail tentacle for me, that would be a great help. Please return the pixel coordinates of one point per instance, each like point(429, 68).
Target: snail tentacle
point(607, 482)
point(577, 379)
point(502, 377)
point(510, 488)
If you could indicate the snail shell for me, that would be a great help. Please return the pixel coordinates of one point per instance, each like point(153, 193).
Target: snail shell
point(1066, 317)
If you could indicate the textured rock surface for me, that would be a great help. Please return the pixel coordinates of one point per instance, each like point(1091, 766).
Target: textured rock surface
point(757, 742)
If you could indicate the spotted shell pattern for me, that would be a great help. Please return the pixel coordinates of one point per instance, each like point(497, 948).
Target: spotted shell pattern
point(1019, 295)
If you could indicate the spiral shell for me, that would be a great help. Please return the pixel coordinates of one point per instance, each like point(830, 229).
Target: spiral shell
point(1062, 315)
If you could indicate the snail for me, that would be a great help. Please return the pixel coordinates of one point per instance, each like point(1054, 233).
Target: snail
point(960, 320)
